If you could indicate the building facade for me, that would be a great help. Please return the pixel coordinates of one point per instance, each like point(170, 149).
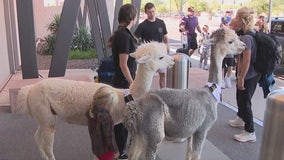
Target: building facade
point(43, 13)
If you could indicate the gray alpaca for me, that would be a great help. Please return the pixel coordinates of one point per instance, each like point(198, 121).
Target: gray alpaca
point(182, 113)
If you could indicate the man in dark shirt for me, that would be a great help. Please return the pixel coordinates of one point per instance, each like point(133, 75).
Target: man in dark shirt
point(153, 29)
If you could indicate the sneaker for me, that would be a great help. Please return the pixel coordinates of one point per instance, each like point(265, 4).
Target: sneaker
point(175, 140)
point(206, 67)
point(200, 65)
point(245, 137)
point(228, 83)
point(179, 140)
point(123, 156)
point(237, 123)
point(170, 138)
point(223, 85)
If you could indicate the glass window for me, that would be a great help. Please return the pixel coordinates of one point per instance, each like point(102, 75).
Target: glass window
point(277, 27)
point(51, 3)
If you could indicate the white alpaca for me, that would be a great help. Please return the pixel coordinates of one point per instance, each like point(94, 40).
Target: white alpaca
point(70, 100)
point(182, 113)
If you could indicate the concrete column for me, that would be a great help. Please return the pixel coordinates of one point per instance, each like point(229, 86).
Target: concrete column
point(64, 37)
point(27, 38)
point(105, 25)
point(95, 28)
point(137, 4)
point(272, 145)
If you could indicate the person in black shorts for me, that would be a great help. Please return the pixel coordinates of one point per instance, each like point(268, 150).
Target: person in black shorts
point(123, 43)
point(227, 66)
point(229, 61)
point(153, 29)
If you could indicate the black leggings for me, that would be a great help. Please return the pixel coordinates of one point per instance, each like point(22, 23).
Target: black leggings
point(121, 134)
point(244, 102)
point(120, 131)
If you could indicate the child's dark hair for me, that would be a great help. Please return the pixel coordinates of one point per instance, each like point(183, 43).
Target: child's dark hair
point(126, 14)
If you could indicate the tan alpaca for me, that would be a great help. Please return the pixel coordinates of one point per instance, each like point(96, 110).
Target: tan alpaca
point(70, 100)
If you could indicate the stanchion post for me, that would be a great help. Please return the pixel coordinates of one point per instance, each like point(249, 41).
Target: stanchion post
point(177, 76)
point(272, 145)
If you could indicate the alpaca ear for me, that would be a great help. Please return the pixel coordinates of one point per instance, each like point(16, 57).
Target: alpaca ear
point(143, 59)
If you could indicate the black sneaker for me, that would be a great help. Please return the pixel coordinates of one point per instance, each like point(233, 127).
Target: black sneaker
point(123, 156)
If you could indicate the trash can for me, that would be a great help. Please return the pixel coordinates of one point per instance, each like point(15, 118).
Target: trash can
point(177, 76)
point(272, 144)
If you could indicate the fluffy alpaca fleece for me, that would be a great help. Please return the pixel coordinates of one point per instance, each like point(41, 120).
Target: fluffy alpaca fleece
point(179, 113)
point(70, 100)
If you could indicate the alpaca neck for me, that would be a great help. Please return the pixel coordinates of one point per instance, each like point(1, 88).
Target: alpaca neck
point(215, 70)
point(117, 111)
point(142, 82)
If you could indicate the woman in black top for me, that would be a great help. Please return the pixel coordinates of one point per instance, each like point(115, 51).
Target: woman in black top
point(123, 43)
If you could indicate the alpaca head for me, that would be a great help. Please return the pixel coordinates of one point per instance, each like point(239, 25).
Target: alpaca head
point(153, 55)
point(226, 41)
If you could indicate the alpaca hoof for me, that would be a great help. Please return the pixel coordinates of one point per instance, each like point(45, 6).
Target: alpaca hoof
point(179, 140)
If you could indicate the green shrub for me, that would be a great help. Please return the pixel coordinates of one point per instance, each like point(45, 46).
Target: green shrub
point(78, 54)
point(49, 40)
point(82, 45)
point(48, 44)
point(54, 24)
point(82, 40)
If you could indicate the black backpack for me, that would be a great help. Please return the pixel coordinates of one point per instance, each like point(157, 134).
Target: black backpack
point(106, 70)
point(268, 54)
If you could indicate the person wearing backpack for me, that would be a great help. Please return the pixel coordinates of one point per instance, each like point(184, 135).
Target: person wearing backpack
point(247, 77)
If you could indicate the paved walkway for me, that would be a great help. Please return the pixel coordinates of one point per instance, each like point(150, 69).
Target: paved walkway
point(219, 144)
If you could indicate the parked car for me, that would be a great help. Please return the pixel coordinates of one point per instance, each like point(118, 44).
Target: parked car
point(277, 29)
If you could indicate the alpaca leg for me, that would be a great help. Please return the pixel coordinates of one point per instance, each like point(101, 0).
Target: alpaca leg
point(44, 138)
point(140, 149)
point(197, 144)
point(40, 109)
point(151, 152)
point(189, 148)
point(135, 148)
